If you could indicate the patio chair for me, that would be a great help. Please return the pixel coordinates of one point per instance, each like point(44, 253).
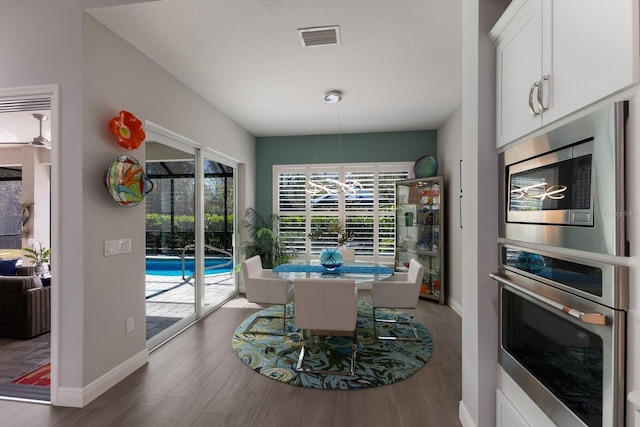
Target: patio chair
point(402, 290)
point(326, 307)
point(262, 287)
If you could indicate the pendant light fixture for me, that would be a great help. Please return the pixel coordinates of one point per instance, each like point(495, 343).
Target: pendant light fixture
point(329, 185)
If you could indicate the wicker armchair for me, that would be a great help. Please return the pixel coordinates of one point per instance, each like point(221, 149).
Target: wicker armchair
point(25, 307)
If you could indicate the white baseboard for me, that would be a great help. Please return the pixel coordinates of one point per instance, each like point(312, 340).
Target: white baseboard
point(76, 397)
point(455, 306)
point(464, 417)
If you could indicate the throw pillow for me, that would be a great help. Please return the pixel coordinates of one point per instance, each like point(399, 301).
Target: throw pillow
point(8, 267)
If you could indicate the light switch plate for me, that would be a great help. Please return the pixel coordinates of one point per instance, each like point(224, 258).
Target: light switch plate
point(116, 247)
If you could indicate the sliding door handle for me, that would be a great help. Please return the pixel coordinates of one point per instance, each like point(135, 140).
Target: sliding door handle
point(460, 173)
point(461, 211)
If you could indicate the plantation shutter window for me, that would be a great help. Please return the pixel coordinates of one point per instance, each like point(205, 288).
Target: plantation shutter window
point(369, 213)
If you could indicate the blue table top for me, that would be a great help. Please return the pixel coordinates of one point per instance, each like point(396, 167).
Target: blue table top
point(361, 272)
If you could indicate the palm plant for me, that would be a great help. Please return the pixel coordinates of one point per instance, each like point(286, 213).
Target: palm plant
point(273, 249)
point(334, 227)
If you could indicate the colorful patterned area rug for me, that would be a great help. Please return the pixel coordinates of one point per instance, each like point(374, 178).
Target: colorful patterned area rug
point(378, 363)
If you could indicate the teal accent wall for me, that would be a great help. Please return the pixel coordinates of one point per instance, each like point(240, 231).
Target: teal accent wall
point(356, 148)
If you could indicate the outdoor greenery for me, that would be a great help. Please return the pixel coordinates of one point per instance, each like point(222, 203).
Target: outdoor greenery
point(161, 235)
point(273, 249)
point(170, 217)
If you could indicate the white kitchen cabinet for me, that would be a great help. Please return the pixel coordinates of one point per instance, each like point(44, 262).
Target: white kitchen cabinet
point(556, 57)
point(506, 414)
point(519, 67)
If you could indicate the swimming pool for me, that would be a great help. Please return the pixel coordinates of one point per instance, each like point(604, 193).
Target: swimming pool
point(162, 266)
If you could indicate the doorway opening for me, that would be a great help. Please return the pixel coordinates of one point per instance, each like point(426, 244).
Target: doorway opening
point(28, 212)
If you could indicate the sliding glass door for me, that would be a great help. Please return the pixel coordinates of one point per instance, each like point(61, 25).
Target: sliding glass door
point(189, 231)
point(218, 189)
point(170, 234)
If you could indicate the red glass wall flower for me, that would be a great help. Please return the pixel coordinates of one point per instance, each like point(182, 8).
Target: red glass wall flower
point(128, 130)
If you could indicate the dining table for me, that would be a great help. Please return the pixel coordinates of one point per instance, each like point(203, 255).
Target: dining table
point(361, 272)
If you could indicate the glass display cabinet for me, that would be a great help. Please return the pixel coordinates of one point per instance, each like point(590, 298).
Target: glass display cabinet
point(419, 231)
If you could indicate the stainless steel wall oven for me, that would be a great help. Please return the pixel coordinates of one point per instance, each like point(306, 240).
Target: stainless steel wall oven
point(563, 295)
point(562, 334)
point(566, 188)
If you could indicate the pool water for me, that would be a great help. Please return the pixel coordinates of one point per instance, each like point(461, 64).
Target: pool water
point(173, 266)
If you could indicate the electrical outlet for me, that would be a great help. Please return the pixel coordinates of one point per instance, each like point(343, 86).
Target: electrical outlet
point(129, 325)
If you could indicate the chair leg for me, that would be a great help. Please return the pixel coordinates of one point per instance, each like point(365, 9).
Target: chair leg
point(415, 337)
point(352, 361)
point(255, 332)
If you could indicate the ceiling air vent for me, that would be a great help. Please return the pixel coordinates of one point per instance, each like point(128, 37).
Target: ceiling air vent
point(319, 36)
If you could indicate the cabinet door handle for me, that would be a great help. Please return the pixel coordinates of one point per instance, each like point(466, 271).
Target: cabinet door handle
point(460, 173)
point(540, 95)
point(531, 107)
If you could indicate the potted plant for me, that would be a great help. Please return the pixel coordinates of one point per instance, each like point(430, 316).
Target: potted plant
point(331, 258)
point(273, 249)
point(38, 254)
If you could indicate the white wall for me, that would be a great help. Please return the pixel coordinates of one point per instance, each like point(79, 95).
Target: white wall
point(136, 84)
point(479, 214)
point(43, 40)
point(99, 74)
point(449, 155)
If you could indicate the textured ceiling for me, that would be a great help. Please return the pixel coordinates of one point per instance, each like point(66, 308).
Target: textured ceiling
point(398, 63)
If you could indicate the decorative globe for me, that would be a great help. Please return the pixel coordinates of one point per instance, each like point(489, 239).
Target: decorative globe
point(425, 167)
point(331, 259)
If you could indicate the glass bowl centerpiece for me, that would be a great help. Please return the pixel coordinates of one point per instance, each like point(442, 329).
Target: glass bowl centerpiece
point(332, 233)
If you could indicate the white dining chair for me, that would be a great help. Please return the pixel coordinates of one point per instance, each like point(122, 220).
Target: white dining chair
point(326, 307)
point(263, 287)
point(402, 290)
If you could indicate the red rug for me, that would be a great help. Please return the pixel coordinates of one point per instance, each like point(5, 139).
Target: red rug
point(40, 377)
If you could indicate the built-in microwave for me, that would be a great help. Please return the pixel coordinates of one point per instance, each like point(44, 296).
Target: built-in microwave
point(554, 188)
point(566, 188)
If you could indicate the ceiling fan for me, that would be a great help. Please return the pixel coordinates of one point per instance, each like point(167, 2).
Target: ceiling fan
point(39, 141)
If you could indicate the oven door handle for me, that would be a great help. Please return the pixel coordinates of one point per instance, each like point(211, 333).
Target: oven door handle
point(591, 318)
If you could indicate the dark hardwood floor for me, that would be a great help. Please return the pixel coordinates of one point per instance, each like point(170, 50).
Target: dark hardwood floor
point(197, 380)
